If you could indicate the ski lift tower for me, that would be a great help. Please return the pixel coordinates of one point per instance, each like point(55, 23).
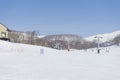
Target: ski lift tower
point(98, 43)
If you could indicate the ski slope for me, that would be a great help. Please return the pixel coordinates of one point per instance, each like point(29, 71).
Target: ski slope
point(27, 62)
point(105, 37)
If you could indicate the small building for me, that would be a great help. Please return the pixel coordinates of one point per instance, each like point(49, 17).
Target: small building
point(3, 32)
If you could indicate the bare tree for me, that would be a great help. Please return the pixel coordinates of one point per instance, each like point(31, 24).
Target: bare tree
point(14, 36)
point(32, 37)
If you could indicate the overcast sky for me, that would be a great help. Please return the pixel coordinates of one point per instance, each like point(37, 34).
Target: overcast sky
point(81, 17)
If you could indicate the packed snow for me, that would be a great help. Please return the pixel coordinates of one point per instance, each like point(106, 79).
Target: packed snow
point(27, 62)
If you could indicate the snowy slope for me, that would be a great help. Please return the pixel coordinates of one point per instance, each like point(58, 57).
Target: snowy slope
point(27, 62)
point(41, 36)
point(106, 37)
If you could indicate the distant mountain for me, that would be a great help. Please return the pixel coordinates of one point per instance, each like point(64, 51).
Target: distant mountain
point(63, 37)
point(105, 37)
point(65, 41)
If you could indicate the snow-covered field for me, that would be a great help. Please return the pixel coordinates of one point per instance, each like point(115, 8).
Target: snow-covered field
point(26, 62)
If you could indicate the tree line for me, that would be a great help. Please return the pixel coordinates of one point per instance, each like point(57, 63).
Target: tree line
point(60, 42)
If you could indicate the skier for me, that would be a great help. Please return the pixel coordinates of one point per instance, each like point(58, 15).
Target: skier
point(41, 51)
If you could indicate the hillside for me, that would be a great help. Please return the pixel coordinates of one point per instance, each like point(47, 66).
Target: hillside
point(105, 37)
point(63, 37)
